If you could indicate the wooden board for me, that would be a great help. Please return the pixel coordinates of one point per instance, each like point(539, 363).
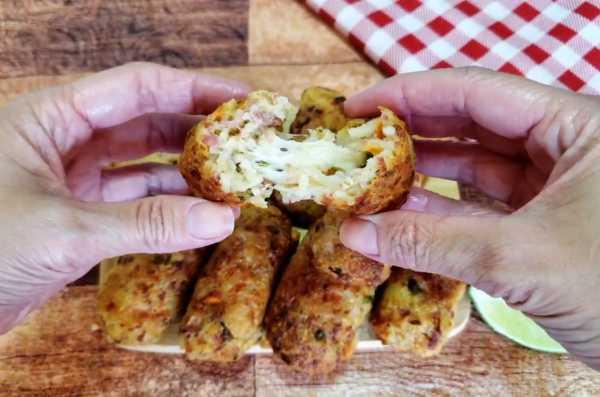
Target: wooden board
point(286, 32)
point(61, 351)
point(51, 37)
point(58, 37)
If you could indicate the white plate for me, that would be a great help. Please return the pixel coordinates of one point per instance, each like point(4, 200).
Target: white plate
point(367, 341)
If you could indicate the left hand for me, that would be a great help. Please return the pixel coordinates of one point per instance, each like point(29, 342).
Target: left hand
point(61, 212)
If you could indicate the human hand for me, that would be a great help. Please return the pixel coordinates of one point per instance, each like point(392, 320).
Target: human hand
point(62, 212)
point(533, 147)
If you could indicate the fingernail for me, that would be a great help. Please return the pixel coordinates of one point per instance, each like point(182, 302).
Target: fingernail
point(209, 220)
point(415, 202)
point(360, 235)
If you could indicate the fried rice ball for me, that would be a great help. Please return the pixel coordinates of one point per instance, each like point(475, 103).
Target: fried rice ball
point(244, 151)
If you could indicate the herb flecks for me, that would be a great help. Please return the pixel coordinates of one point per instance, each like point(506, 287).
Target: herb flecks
point(320, 334)
point(336, 270)
point(225, 333)
point(413, 286)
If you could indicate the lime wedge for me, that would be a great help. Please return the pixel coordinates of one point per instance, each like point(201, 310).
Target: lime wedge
point(512, 323)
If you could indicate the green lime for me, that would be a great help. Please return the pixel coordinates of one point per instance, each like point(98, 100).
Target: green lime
point(512, 323)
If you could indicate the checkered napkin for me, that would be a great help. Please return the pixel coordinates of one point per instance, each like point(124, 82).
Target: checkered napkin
point(551, 42)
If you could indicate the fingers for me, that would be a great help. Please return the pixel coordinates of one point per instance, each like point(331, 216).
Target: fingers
point(11, 315)
point(507, 179)
point(154, 225)
point(140, 137)
point(441, 126)
point(421, 200)
point(141, 180)
point(462, 127)
point(133, 139)
point(492, 173)
point(114, 96)
point(69, 237)
point(507, 105)
point(467, 248)
point(69, 114)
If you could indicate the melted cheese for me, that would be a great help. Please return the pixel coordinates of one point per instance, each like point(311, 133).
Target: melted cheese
point(256, 154)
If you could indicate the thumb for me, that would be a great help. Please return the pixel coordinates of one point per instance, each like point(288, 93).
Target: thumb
point(447, 240)
point(155, 225)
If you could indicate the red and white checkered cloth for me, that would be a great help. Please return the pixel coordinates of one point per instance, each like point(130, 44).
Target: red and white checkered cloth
point(551, 42)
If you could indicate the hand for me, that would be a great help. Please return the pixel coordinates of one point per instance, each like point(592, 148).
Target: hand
point(61, 212)
point(533, 147)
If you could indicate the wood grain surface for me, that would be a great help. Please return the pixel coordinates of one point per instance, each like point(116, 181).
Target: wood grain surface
point(63, 36)
point(286, 32)
point(272, 44)
point(61, 351)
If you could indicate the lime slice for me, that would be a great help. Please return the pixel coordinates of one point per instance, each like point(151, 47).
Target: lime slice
point(512, 323)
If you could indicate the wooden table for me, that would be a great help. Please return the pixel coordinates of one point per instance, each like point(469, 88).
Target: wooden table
point(272, 44)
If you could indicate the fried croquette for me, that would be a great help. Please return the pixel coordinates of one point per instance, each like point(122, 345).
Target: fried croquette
point(225, 315)
point(332, 258)
point(314, 317)
point(320, 107)
point(140, 295)
point(416, 311)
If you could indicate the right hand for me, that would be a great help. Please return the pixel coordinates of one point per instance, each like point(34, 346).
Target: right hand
point(533, 147)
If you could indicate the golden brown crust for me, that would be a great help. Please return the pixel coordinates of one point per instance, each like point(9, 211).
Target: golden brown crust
point(394, 178)
point(416, 311)
point(336, 261)
point(320, 107)
point(313, 319)
point(226, 312)
point(140, 295)
point(202, 180)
